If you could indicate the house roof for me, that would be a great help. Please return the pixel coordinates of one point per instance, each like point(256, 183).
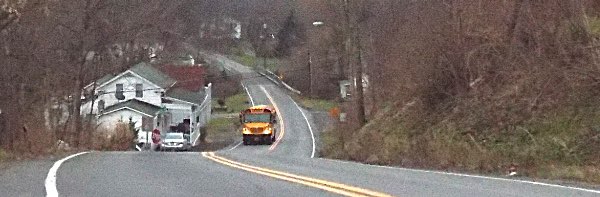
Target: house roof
point(105, 79)
point(185, 83)
point(186, 95)
point(135, 105)
point(153, 75)
point(188, 77)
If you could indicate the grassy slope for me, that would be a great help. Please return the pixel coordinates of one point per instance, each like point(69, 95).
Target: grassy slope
point(221, 129)
point(234, 104)
point(316, 104)
point(240, 55)
point(595, 26)
point(561, 145)
point(224, 127)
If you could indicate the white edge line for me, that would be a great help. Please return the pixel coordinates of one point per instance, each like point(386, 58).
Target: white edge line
point(248, 92)
point(238, 144)
point(252, 102)
point(470, 176)
point(50, 182)
point(312, 135)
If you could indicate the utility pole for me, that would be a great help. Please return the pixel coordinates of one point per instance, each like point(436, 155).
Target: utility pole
point(311, 72)
point(353, 35)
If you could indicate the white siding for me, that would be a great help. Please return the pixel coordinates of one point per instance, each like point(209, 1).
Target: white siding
point(109, 121)
point(179, 111)
point(152, 93)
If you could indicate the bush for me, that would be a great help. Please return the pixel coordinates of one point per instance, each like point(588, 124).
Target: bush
point(120, 139)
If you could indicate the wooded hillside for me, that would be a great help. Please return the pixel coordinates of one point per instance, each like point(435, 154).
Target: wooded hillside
point(472, 85)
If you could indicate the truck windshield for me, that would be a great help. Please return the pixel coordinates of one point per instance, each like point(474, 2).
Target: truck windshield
point(257, 118)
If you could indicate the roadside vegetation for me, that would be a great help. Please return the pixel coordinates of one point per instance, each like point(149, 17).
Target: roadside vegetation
point(221, 130)
point(4, 155)
point(237, 103)
point(479, 89)
point(245, 55)
point(595, 26)
point(48, 58)
point(316, 104)
point(232, 104)
point(121, 139)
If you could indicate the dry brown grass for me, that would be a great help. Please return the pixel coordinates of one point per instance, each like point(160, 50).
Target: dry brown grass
point(491, 85)
point(562, 146)
point(121, 139)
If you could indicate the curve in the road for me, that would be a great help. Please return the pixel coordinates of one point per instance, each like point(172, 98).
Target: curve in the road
point(50, 182)
point(468, 176)
point(279, 116)
point(329, 186)
point(312, 134)
point(248, 92)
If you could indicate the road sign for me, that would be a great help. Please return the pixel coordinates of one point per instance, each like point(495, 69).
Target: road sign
point(156, 136)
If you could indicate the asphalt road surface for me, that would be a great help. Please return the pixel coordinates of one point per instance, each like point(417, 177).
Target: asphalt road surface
point(286, 168)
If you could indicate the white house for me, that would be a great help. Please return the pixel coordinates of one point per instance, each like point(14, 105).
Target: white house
point(153, 97)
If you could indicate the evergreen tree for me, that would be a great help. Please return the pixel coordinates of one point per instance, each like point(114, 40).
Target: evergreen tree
point(290, 35)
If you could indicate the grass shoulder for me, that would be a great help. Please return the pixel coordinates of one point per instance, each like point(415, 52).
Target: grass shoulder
point(595, 26)
point(221, 130)
point(254, 61)
point(562, 146)
point(316, 104)
point(232, 104)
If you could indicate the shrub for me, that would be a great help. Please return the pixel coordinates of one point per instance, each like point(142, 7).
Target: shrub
point(119, 139)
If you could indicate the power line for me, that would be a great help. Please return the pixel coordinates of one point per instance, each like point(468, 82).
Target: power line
point(221, 78)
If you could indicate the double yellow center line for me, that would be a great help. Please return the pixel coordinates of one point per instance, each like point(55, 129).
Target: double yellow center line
point(279, 116)
point(337, 188)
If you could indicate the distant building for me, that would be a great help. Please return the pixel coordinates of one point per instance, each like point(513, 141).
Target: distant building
point(153, 97)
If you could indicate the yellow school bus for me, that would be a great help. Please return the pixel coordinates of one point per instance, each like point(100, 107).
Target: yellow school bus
point(258, 125)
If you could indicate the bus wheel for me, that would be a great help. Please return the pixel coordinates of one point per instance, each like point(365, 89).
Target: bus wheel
point(245, 140)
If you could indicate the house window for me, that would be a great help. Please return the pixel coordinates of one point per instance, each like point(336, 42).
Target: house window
point(119, 92)
point(100, 105)
point(139, 90)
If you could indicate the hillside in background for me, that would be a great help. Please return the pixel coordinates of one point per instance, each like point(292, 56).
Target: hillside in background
point(477, 86)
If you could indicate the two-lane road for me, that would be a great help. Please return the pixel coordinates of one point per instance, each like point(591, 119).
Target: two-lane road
point(284, 169)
